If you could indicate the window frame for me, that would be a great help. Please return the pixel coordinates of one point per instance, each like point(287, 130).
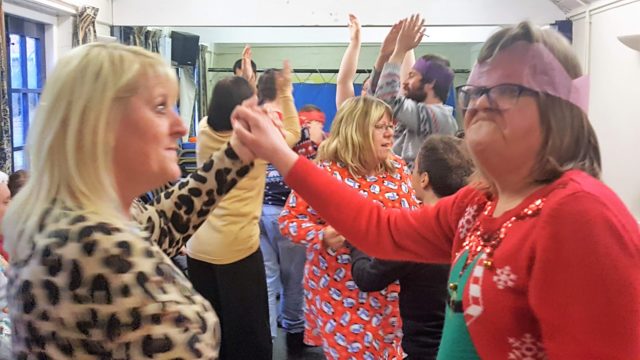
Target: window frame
point(24, 28)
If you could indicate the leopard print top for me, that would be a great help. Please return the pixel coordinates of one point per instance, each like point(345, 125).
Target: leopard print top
point(92, 290)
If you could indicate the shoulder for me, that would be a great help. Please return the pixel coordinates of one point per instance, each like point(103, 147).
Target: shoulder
point(579, 197)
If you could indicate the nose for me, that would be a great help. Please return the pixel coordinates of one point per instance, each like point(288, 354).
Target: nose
point(178, 129)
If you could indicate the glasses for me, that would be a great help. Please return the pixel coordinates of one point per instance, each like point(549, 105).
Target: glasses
point(501, 97)
point(384, 126)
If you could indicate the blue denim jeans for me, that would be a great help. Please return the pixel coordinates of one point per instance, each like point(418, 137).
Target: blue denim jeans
point(284, 266)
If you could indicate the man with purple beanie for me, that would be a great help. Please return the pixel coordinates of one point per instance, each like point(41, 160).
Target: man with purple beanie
point(421, 111)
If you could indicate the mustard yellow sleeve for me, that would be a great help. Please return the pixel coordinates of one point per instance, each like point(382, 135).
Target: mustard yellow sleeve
point(290, 118)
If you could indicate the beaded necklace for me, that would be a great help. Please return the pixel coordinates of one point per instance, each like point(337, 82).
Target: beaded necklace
point(480, 241)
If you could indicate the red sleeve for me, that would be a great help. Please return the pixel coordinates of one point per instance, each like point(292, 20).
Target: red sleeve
point(299, 222)
point(424, 235)
point(585, 282)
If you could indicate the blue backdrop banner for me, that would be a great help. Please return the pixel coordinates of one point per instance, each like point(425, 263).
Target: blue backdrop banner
point(324, 97)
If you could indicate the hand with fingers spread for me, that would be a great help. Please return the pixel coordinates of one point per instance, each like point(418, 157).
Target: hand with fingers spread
point(411, 33)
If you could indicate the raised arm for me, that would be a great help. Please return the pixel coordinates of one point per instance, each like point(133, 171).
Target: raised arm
point(407, 112)
point(349, 63)
point(407, 65)
point(425, 235)
point(176, 213)
point(386, 49)
point(284, 89)
point(246, 68)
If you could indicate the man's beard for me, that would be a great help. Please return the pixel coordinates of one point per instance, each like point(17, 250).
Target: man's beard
point(416, 95)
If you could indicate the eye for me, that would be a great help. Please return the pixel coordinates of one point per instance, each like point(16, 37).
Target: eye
point(161, 108)
point(509, 91)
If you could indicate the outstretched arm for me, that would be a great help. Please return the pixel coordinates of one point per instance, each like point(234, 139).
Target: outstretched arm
point(349, 64)
point(425, 235)
point(175, 214)
point(386, 49)
point(284, 88)
point(407, 65)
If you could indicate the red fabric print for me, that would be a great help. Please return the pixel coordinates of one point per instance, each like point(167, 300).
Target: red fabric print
point(346, 322)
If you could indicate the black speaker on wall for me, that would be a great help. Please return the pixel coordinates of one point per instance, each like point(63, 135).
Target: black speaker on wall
point(184, 48)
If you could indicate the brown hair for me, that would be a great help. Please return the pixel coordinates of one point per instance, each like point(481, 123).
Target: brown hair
point(351, 139)
point(17, 181)
point(446, 160)
point(568, 140)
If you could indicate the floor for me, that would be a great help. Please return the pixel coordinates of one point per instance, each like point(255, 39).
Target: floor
point(280, 350)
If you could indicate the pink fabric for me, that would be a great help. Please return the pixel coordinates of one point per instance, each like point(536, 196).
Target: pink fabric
point(533, 66)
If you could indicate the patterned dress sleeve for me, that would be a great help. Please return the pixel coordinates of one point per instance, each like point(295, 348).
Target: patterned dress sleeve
point(177, 213)
point(299, 222)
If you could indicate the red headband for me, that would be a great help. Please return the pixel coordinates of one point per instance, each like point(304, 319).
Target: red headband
point(312, 115)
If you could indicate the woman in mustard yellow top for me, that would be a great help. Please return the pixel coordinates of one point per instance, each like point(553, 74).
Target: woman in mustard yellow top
point(224, 258)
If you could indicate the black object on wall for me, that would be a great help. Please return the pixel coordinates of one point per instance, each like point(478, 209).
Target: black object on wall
point(184, 48)
point(565, 27)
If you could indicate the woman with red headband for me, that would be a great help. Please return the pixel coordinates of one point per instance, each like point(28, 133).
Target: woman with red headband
point(544, 255)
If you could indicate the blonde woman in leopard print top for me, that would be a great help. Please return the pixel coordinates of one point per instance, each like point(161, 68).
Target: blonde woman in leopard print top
point(90, 276)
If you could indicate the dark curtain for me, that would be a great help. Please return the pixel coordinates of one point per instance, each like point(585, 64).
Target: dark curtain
point(84, 25)
point(5, 124)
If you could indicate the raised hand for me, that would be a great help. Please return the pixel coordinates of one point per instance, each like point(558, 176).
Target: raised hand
point(258, 132)
point(411, 34)
point(246, 68)
point(354, 28)
point(283, 79)
point(389, 42)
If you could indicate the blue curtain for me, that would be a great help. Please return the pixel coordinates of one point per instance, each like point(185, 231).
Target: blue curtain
point(320, 95)
point(324, 97)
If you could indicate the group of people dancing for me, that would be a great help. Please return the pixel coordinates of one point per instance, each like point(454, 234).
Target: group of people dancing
point(386, 238)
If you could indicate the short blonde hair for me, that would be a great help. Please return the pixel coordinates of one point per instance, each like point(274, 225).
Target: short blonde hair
point(568, 140)
point(351, 139)
point(70, 144)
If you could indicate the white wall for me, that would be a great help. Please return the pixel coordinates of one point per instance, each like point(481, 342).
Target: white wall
point(328, 12)
point(615, 91)
point(332, 35)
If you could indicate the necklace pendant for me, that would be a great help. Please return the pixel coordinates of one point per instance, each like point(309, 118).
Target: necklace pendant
point(488, 264)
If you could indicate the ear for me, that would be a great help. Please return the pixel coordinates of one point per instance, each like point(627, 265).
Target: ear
point(424, 180)
point(429, 86)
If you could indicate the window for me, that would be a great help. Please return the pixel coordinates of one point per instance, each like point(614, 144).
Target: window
point(27, 73)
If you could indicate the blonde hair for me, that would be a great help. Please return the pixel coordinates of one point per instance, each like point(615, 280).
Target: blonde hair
point(70, 143)
point(351, 138)
point(568, 140)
